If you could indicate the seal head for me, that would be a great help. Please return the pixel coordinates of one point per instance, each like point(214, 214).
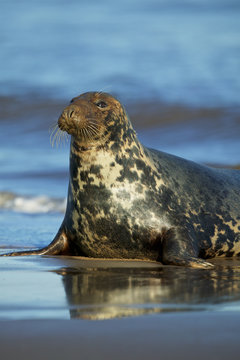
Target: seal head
point(94, 119)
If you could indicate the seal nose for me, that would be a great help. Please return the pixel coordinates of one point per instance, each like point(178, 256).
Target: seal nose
point(68, 116)
point(69, 112)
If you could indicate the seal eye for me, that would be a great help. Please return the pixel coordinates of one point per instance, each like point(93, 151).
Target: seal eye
point(71, 101)
point(101, 104)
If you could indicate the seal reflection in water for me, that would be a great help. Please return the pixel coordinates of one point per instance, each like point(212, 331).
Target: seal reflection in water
point(99, 293)
point(127, 201)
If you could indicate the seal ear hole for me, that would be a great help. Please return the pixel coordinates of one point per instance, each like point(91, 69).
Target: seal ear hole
point(101, 104)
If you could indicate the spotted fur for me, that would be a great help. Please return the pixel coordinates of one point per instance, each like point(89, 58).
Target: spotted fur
point(128, 201)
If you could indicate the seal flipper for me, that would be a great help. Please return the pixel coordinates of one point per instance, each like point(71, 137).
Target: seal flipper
point(176, 251)
point(59, 246)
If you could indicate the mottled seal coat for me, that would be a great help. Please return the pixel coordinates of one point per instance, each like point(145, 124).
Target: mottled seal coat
point(128, 201)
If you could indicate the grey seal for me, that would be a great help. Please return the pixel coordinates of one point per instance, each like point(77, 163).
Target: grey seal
point(127, 201)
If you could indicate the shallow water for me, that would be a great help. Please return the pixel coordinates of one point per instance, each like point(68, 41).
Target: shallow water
point(67, 288)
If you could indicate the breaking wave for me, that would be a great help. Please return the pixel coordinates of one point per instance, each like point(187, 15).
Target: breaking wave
point(31, 204)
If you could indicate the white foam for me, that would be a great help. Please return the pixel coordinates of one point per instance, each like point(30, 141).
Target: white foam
point(31, 205)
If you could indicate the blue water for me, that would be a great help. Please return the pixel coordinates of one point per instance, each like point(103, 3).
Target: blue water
point(167, 52)
point(175, 50)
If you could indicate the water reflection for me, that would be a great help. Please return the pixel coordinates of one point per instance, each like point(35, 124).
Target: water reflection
point(104, 293)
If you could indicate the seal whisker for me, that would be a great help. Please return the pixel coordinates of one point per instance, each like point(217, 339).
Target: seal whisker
point(54, 141)
point(83, 130)
point(93, 130)
point(85, 134)
point(53, 126)
point(79, 133)
point(90, 134)
point(104, 89)
point(65, 137)
point(57, 136)
point(95, 124)
point(53, 135)
point(92, 122)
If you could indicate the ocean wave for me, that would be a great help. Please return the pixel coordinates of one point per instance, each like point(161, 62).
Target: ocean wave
point(31, 204)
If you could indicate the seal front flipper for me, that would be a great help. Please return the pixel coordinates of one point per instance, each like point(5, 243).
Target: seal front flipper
point(178, 249)
point(59, 246)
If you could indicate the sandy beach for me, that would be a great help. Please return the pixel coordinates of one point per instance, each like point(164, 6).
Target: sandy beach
point(169, 336)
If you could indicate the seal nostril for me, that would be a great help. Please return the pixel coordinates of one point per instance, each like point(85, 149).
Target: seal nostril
point(71, 113)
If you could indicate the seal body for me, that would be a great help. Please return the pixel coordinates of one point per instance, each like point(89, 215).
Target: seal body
point(128, 201)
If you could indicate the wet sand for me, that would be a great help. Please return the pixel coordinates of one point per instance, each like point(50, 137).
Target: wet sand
point(172, 336)
point(60, 287)
point(63, 307)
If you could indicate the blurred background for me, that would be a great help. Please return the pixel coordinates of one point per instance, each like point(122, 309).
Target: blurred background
point(174, 64)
